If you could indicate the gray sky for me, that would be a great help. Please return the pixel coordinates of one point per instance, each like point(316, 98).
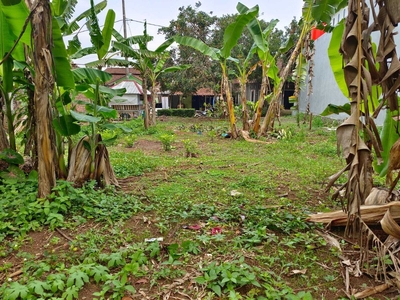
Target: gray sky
point(161, 12)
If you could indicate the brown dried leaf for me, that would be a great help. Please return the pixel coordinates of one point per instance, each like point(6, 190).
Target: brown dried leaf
point(389, 225)
point(372, 291)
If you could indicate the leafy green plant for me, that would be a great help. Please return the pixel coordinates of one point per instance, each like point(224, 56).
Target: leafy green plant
point(109, 137)
point(212, 134)
point(132, 163)
point(115, 287)
point(190, 148)
point(113, 260)
point(228, 276)
point(167, 141)
point(129, 140)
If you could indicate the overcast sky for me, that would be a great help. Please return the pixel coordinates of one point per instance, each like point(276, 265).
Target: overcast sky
point(161, 12)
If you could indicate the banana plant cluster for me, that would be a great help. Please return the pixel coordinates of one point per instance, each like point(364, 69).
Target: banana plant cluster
point(369, 79)
point(231, 36)
point(44, 71)
point(150, 63)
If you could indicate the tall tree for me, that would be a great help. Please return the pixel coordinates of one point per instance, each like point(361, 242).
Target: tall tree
point(44, 82)
point(198, 24)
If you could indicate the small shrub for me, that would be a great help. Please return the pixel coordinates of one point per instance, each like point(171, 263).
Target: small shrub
point(212, 134)
point(167, 140)
point(129, 140)
point(191, 148)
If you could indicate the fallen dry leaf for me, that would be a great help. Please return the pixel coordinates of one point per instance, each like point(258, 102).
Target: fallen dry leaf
point(142, 281)
point(297, 272)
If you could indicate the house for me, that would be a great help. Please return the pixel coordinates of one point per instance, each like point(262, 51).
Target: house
point(253, 90)
point(119, 74)
point(131, 103)
point(204, 97)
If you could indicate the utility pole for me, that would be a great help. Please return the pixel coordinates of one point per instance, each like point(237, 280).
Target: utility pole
point(125, 35)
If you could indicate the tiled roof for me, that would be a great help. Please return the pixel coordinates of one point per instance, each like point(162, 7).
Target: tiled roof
point(122, 71)
point(131, 86)
point(205, 92)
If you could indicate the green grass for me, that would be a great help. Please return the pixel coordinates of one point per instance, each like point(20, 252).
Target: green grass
point(249, 202)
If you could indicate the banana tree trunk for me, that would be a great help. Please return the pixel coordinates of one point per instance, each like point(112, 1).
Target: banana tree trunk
point(3, 138)
point(146, 103)
point(4, 144)
point(278, 91)
point(30, 145)
point(245, 111)
point(229, 103)
point(153, 105)
point(81, 163)
point(45, 138)
point(261, 100)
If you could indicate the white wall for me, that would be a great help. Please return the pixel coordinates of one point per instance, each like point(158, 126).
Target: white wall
point(325, 88)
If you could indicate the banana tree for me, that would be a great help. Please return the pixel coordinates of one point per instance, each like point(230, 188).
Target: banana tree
point(267, 61)
point(140, 62)
point(231, 36)
point(244, 71)
point(149, 63)
point(269, 68)
point(369, 71)
point(12, 40)
point(100, 39)
point(89, 159)
point(156, 69)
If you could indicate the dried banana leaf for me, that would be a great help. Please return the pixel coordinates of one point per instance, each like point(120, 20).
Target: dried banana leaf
point(389, 225)
point(370, 214)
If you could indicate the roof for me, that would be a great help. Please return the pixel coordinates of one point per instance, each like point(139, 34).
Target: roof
point(131, 86)
point(122, 71)
point(205, 92)
point(119, 74)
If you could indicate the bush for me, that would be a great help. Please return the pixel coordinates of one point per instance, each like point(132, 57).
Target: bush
point(186, 112)
point(167, 140)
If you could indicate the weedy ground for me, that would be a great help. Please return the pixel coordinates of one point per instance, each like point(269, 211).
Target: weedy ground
point(197, 216)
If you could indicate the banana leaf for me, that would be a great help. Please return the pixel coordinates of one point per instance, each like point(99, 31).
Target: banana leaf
point(94, 28)
point(73, 25)
point(336, 109)
point(84, 118)
point(106, 34)
point(336, 60)
point(234, 31)
point(12, 157)
point(87, 75)
point(13, 15)
point(388, 137)
point(62, 65)
point(197, 45)
point(66, 125)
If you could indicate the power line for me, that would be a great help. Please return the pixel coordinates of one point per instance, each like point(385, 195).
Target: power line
point(129, 20)
point(142, 22)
